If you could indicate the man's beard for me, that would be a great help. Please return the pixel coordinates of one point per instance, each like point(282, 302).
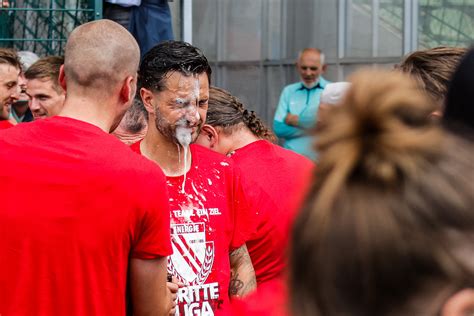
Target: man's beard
point(169, 130)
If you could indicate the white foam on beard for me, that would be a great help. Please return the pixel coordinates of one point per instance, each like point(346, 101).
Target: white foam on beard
point(183, 135)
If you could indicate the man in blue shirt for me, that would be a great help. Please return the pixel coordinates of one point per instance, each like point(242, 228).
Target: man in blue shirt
point(299, 102)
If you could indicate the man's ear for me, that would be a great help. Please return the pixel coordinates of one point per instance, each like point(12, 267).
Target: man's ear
point(62, 78)
point(211, 134)
point(127, 92)
point(147, 98)
point(459, 304)
point(324, 68)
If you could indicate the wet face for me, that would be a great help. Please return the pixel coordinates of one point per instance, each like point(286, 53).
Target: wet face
point(9, 90)
point(309, 67)
point(46, 100)
point(180, 109)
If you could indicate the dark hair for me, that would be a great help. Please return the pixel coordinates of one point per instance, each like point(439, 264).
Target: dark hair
point(228, 112)
point(10, 57)
point(171, 56)
point(390, 209)
point(46, 67)
point(433, 68)
point(459, 111)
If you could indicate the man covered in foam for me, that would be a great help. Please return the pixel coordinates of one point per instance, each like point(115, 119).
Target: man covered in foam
point(210, 217)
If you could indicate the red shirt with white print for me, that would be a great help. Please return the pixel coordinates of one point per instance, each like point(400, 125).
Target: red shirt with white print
point(210, 217)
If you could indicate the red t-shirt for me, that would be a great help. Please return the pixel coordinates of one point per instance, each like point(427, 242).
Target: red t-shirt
point(4, 124)
point(276, 171)
point(208, 220)
point(271, 298)
point(76, 205)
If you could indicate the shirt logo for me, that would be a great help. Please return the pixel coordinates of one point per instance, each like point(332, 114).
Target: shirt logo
point(193, 256)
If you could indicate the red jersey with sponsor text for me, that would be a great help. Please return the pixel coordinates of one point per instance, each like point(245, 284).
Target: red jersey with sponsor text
point(209, 218)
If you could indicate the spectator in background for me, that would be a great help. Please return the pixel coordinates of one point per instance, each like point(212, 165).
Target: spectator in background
point(10, 68)
point(150, 23)
point(433, 69)
point(459, 111)
point(119, 11)
point(133, 126)
point(46, 94)
point(83, 219)
point(237, 132)
point(298, 106)
point(20, 111)
point(388, 225)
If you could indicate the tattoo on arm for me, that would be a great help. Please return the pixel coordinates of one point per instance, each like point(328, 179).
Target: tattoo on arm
point(242, 280)
point(235, 284)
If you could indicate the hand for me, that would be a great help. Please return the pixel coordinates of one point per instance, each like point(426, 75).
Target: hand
point(173, 288)
point(292, 119)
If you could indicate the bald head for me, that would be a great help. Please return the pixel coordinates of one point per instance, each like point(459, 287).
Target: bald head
point(100, 54)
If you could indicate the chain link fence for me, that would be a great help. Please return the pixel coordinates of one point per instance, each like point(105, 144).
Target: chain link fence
point(42, 26)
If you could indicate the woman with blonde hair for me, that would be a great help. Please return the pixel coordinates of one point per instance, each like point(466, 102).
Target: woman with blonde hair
point(388, 226)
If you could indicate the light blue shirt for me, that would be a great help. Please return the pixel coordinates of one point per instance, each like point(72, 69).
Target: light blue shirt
point(297, 99)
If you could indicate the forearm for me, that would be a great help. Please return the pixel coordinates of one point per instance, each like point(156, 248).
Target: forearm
point(285, 131)
point(242, 281)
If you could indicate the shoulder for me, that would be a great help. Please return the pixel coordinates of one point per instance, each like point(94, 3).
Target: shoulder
point(292, 87)
point(206, 157)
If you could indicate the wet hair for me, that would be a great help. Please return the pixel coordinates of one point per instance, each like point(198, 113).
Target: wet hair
point(170, 56)
point(10, 57)
point(433, 69)
point(227, 112)
point(389, 210)
point(46, 68)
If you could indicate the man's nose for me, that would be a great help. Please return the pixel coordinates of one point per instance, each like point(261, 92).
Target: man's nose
point(192, 115)
point(15, 93)
point(33, 104)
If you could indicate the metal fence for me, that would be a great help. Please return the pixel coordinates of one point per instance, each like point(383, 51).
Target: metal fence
point(42, 26)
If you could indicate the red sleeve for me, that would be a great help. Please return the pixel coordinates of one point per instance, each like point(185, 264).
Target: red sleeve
point(152, 238)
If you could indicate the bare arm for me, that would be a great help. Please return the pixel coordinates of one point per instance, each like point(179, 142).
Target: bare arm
point(242, 279)
point(150, 295)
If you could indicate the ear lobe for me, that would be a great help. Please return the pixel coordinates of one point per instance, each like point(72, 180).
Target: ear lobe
point(147, 98)
point(324, 68)
point(211, 135)
point(62, 78)
point(460, 304)
point(127, 93)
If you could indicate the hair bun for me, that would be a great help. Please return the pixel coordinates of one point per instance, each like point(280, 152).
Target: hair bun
point(381, 129)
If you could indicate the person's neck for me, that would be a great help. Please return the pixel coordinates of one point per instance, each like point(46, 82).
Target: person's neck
point(95, 111)
point(167, 154)
point(21, 109)
point(241, 138)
